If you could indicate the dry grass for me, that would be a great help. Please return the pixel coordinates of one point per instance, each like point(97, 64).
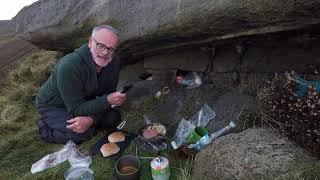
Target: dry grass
point(296, 117)
point(16, 101)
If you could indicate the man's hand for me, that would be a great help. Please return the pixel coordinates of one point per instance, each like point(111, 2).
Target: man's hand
point(80, 124)
point(116, 98)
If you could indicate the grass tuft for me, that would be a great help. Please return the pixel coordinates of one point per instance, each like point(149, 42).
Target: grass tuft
point(18, 115)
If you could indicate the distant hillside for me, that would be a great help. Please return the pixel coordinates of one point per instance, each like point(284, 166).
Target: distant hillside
point(12, 49)
point(6, 26)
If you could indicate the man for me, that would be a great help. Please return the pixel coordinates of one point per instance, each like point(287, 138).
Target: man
point(77, 97)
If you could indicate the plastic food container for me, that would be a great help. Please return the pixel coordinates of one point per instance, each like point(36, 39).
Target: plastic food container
point(79, 173)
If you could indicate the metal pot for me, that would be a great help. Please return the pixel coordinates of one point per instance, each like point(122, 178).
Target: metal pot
point(127, 168)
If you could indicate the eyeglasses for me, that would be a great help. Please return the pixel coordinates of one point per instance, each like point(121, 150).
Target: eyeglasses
point(102, 47)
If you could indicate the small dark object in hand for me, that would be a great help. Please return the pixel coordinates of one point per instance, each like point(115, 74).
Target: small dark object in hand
point(126, 88)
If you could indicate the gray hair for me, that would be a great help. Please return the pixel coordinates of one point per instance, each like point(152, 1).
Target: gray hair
point(107, 27)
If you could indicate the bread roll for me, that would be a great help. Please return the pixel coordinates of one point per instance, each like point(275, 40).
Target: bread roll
point(116, 137)
point(109, 149)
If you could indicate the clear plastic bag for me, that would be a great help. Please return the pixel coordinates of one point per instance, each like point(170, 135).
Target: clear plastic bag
point(185, 128)
point(77, 159)
point(69, 151)
point(203, 116)
point(79, 166)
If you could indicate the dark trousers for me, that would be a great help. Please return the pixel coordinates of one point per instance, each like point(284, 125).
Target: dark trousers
point(53, 121)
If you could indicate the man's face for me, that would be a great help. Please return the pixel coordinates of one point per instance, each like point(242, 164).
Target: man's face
point(102, 45)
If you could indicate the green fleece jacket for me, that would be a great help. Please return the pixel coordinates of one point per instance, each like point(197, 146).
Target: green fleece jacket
point(75, 85)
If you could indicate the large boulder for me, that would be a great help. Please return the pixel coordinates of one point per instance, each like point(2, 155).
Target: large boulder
point(180, 59)
point(152, 26)
point(256, 153)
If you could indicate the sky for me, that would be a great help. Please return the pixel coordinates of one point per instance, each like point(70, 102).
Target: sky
point(10, 8)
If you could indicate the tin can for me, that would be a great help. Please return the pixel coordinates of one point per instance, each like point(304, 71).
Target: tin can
point(160, 169)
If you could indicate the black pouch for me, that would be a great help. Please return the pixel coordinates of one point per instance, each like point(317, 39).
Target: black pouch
point(95, 149)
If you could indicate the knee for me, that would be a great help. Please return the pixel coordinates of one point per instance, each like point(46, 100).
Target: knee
point(62, 137)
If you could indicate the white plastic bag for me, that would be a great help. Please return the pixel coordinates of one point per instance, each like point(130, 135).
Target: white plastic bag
point(69, 151)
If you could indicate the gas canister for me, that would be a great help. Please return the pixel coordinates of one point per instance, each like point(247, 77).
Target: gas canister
point(160, 169)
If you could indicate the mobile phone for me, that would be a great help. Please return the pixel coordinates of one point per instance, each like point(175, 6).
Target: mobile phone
point(126, 88)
